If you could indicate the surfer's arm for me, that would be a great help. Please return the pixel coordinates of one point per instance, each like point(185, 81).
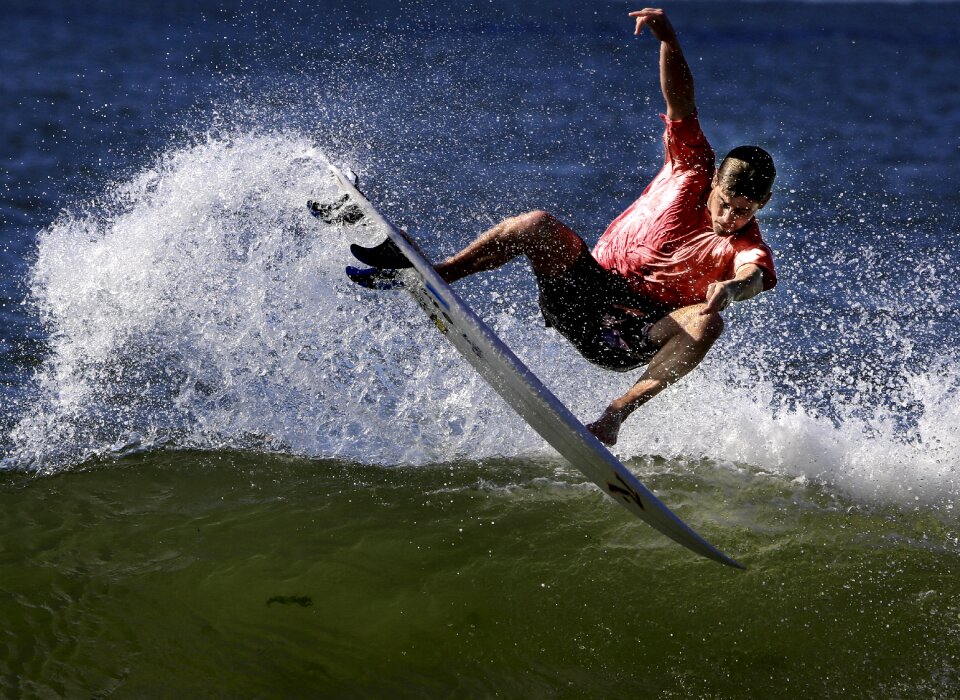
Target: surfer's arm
point(746, 284)
point(676, 80)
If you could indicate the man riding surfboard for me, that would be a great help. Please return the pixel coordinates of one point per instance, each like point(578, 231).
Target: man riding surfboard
point(651, 291)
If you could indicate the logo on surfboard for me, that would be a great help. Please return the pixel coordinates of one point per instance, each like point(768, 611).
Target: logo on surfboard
point(624, 491)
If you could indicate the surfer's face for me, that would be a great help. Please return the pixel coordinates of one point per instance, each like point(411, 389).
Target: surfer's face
point(730, 213)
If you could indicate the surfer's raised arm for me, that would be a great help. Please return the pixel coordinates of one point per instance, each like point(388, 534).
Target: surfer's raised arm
point(676, 80)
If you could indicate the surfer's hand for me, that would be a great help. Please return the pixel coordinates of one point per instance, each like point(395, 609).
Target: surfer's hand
point(719, 296)
point(655, 20)
point(747, 284)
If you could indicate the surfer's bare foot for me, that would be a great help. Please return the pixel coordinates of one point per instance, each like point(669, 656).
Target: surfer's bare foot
point(607, 428)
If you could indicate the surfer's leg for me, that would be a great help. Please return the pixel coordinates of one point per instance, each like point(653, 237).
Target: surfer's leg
point(551, 246)
point(684, 338)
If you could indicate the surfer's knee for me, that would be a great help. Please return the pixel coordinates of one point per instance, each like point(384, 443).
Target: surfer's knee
point(551, 246)
point(538, 217)
point(543, 230)
point(537, 222)
point(531, 229)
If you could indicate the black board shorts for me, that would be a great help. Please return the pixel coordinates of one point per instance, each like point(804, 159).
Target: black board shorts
point(582, 305)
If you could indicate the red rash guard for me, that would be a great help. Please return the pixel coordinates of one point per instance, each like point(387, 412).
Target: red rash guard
point(664, 243)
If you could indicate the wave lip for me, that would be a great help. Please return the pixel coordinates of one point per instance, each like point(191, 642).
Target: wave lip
point(199, 305)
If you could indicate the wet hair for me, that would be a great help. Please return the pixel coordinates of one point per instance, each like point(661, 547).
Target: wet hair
point(747, 171)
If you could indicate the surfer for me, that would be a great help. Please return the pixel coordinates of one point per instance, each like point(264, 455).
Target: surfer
point(652, 290)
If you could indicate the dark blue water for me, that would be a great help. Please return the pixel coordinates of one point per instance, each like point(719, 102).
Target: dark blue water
point(470, 115)
point(162, 289)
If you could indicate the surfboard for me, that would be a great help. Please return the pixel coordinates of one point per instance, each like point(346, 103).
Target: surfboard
point(522, 390)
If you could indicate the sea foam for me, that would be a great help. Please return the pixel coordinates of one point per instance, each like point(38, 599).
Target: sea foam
point(199, 305)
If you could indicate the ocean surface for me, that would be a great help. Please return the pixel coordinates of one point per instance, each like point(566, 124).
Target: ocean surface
point(226, 472)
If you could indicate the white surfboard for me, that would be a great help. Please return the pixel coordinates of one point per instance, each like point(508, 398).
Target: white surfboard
point(520, 388)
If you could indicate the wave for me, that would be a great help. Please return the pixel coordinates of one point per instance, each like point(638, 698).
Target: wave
point(199, 305)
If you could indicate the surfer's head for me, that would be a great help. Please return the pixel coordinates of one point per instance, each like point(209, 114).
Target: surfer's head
point(741, 186)
point(747, 171)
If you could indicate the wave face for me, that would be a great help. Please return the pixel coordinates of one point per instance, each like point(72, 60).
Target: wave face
point(193, 303)
point(199, 305)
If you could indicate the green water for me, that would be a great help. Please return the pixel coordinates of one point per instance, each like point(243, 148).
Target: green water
point(238, 576)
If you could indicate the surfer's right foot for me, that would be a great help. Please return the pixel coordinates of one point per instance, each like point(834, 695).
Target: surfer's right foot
point(377, 278)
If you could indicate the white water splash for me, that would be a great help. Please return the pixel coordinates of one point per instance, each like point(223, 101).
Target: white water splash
point(202, 306)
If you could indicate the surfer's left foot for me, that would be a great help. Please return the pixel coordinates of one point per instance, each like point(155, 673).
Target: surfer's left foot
point(374, 278)
point(341, 211)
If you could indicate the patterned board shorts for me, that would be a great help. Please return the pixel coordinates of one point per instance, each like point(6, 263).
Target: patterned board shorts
point(581, 305)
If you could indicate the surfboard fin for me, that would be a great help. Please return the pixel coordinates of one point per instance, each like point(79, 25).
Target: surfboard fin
point(386, 254)
point(377, 278)
point(351, 177)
